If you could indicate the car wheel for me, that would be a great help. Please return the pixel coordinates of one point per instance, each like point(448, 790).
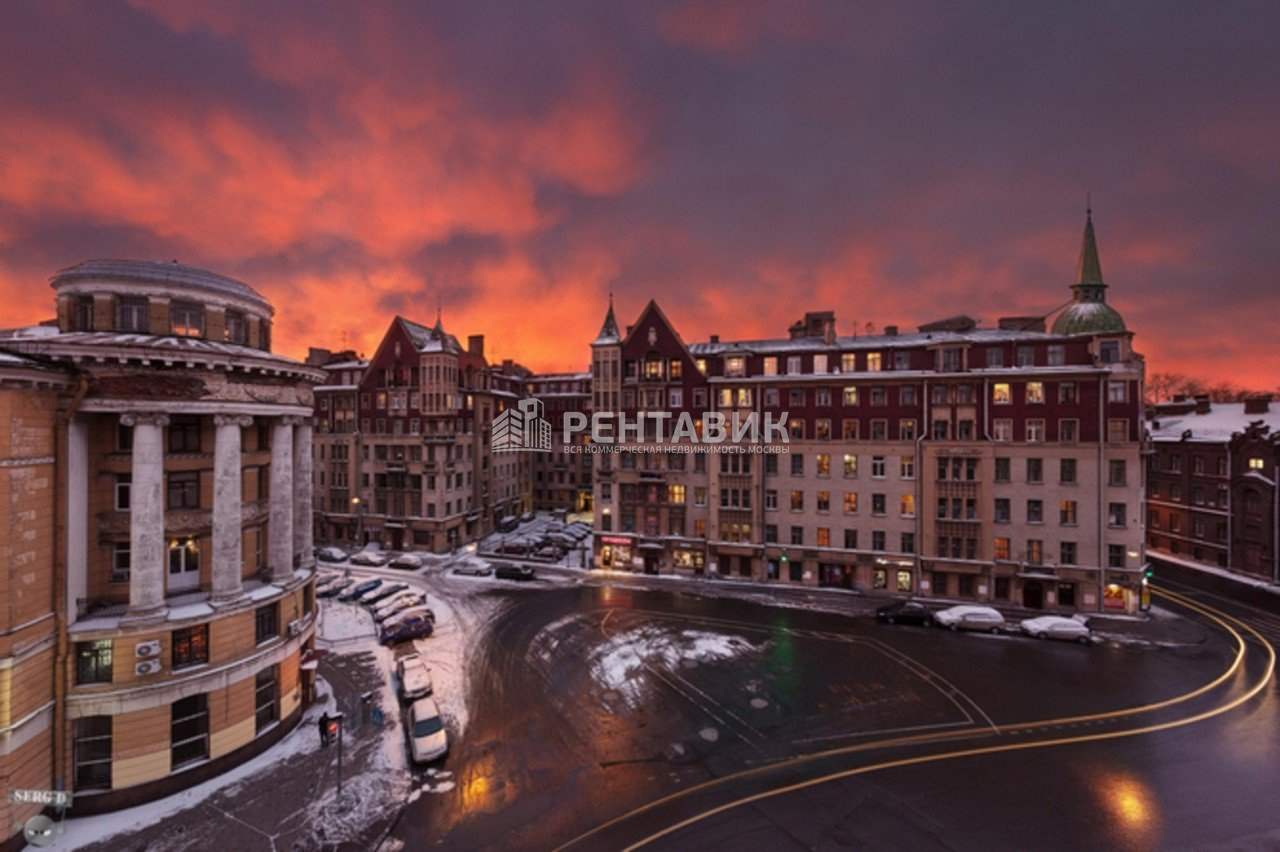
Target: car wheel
point(995, 631)
point(889, 620)
point(1041, 636)
point(1083, 640)
point(953, 627)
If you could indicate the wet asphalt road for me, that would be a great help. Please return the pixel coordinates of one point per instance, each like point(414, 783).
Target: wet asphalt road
point(592, 701)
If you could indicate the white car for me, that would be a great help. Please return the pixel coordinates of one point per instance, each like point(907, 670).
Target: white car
point(427, 739)
point(402, 601)
point(331, 554)
point(408, 561)
point(1056, 627)
point(414, 677)
point(369, 557)
point(969, 617)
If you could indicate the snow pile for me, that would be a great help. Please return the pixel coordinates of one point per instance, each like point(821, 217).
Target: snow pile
point(445, 653)
point(343, 622)
point(621, 663)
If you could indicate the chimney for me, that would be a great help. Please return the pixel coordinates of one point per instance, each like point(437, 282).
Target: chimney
point(475, 344)
point(1259, 404)
point(1179, 397)
point(508, 366)
point(715, 338)
point(891, 331)
point(1203, 405)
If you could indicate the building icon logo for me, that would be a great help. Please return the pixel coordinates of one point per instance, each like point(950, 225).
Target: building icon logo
point(522, 428)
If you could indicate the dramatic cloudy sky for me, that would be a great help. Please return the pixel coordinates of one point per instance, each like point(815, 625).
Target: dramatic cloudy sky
point(739, 161)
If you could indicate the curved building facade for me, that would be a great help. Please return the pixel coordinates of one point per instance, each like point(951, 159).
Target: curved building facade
point(181, 589)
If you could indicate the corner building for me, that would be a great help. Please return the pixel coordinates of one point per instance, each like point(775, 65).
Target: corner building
point(977, 464)
point(167, 589)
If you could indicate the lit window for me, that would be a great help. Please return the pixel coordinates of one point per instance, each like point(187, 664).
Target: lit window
point(873, 362)
point(1035, 392)
point(1256, 464)
point(1000, 394)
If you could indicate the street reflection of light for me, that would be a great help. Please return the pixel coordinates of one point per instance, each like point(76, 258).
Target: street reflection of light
point(1132, 807)
point(475, 791)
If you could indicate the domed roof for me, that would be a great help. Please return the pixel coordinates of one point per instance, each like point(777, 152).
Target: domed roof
point(1088, 318)
point(168, 274)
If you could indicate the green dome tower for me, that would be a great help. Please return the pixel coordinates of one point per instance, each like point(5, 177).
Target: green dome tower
point(1090, 313)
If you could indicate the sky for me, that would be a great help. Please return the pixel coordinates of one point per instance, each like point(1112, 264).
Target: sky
point(738, 161)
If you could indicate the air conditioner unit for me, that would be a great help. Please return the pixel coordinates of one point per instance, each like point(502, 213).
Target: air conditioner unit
point(147, 649)
point(295, 627)
point(147, 667)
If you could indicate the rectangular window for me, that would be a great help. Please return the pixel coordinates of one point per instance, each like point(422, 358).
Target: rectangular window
point(877, 467)
point(1068, 393)
point(1116, 472)
point(770, 497)
point(850, 502)
point(797, 535)
point(1116, 515)
point(1067, 471)
point(184, 490)
point(189, 731)
point(186, 319)
point(995, 357)
point(1117, 431)
point(1003, 470)
point(1002, 515)
point(191, 646)
point(184, 435)
point(266, 621)
point(820, 363)
point(1035, 393)
point(793, 365)
point(907, 505)
point(850, 396)
point(1117, 391)
point(92, 752)
point(1000, 394)
point(121, 561)
point(237, 330)
point(797, 500)
point(877, 504)
point(93, 662)
point(771, 365)
point(1067, 553)
point(1001, 548)
point(1002, 430)
point(132, 314)
point(266, 699)
point(1115, 556)
point(822, 464)
point(1035, 551)
point(824, 537)
point(873, 362)
point(1035, 470)
point(907, 467)
point(1026, 356)
point(123, 482)
point(1057, 355)
point(1035, 431)
point(1035, 511)
point(1067, 513)
point(1068, 431)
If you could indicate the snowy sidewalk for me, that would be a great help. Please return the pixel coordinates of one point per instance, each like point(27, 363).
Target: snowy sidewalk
point(285, 798)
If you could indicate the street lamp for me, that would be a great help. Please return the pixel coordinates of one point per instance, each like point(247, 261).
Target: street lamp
point(358, 508)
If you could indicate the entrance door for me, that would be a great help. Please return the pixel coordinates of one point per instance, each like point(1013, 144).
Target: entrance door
point(651, 563)
point(1032, 595)
point(184, 566)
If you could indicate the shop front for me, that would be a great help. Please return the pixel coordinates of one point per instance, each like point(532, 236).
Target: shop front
point(615, 552)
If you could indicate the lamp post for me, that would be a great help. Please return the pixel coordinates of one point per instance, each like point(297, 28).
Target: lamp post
point(358, 508)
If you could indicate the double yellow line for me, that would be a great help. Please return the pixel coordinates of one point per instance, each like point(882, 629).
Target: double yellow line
point(1220, 618)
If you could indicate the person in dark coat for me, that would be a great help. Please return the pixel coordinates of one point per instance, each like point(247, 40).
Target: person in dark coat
point(324, 728)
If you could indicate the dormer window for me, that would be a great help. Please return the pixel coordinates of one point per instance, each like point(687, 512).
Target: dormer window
point(1109, 351)
point(84, 313)
point(735, 366)
point(186, 319)
point(873, 362)
point(132, 314)
point(653, 369)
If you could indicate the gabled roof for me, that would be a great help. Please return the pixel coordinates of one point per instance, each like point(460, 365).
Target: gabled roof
point(429, 339)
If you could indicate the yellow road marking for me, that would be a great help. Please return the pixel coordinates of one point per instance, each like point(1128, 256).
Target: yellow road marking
point(962, 734)
point(996, 749)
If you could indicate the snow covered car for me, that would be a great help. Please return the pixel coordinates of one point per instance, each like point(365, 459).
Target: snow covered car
point(359, 589)
point(332, 590)
point(380, 594)
point(413, 677)
point(1056, 627)
point(409, 612)
point(398, 603)
point(369, 557)
point(404, 629)
point(969, 617)
point(331, 554)
point(473, 569)
point(427, 739)
point(408, 561)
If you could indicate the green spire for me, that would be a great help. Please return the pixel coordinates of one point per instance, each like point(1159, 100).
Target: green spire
point(1090, 271)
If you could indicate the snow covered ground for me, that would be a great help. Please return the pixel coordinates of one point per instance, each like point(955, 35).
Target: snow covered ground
point(621, 663)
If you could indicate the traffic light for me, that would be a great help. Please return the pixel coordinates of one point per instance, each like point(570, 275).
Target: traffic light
point(1148, 573)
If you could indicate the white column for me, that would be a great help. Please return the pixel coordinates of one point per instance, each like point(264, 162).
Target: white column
point(303, 522)
point(77, 515)
point(280, 541)
point(146, 523)
point(228, 517)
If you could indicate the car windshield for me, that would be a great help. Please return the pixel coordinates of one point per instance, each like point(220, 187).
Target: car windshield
point(427, 727)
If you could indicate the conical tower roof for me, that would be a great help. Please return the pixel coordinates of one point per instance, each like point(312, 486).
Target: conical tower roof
point(1089, 312)
point(609, 331)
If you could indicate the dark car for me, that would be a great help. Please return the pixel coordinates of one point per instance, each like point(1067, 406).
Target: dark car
point(905, 612)
point(356, 591)
point(332, 590)
point(514, 572)
point(383, 592)
point(413, 627)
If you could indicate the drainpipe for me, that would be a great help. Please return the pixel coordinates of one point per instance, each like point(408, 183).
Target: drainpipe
point(1101, 491)
point(62, 651)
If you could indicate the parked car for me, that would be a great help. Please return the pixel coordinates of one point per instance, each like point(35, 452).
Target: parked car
point(325, 579)
point(527, 517)
point(550, 550)
point(398, 603)
point(472, 569)
point(969, 617)
point(332, 590)
point(905, 612)
point(369, 557)
point(404, 629)
point(359, 589)
point(507, 571)
point(410, 612)
point(508, 523)
point(515, 545)
point(331, 554)
point(413, 677)
point(1057, 627)
point(380, 594)
point(427, 738)
point(408, 561)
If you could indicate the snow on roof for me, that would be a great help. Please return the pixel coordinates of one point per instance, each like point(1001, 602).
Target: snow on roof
point(1223, 420)
point(347, 365)
point(873, 341)
point(430, 339)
